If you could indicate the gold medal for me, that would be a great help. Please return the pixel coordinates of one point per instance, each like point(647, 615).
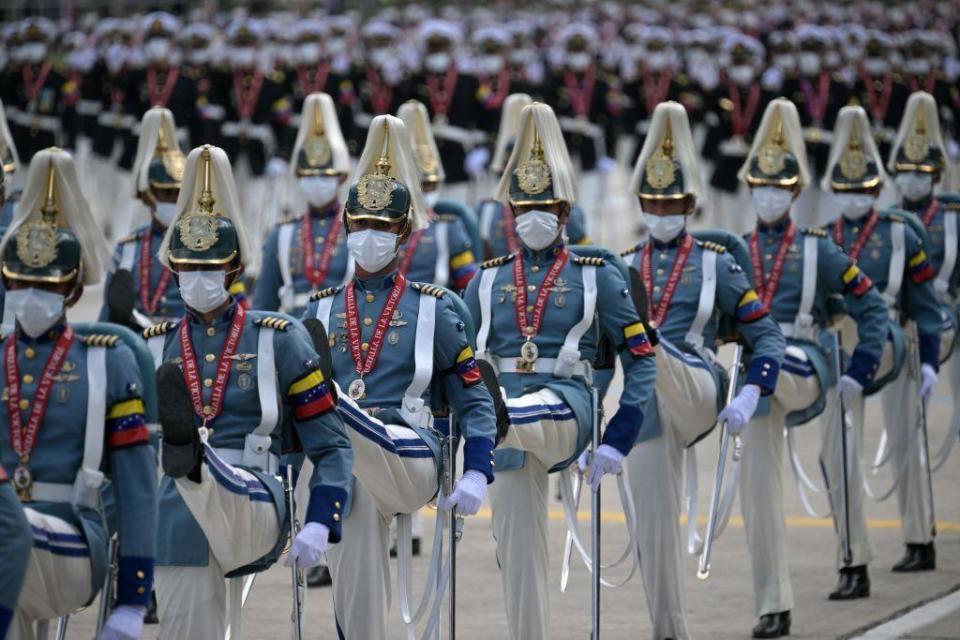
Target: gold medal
point(22, 482)
point(357, 389)
point(529, 352)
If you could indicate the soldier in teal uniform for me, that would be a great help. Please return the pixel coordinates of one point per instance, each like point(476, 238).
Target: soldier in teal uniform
point(74, 415)
point(309, 253)
point(689, 286)
point(141, 291)
point(795, 269)
point(396, 343)
point(918, 162)
point(540, 313)
point(232, 386)
point(8, 195)
point(497, 226)
point(441, 254)
point(16, 541)
point(892, 254)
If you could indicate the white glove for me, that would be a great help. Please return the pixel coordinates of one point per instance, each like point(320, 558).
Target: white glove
point(849, 388)
point(308, 546)
point(476, 160)
point(583, 460)
point(125, 623)
point(738, 413)
point(606, 459)
point(928, 381)
point(606, 164)
point(276, 167)
point(468, 495)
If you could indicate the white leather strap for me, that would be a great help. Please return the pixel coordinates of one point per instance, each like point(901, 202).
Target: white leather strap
point(323, 310)
point(708, 295)
point(898, 259)
point(127, 254)
point(505, 364)
point(284, 240)
point(267, 383)
point(235, 458)
point(942, 282)
point(809, 291)
point(90, 478)
point(51, 492)
point(155, 344)
point(485, 293)
point(569, 354)
point(351, 267)
point(441, 272)
point(414, 409)
point(488, 211)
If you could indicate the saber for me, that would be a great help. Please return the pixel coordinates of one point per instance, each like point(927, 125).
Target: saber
point(297, 577)
point(703, 569)
point(922, 427)
point(106, 593)
point(845, 536)
point(455, 523)
point(595, 523)
point(568, 546)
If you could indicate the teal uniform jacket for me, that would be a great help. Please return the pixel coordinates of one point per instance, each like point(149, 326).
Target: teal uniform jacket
point(490, 214)
point(169, 305)
point(305, 414)
point(461, 265)
point(616, 318)
point(266, 294)
point(836, 274)
point(947, 203)
point(916, 297)
point(734, 297)
point(455, 374)
point(128, 458)
point(16, 541)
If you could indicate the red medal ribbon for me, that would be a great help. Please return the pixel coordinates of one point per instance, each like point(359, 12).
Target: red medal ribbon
point(316, 271)
point(319, 79)
point(23, 439)
point(442, 96)
point(767, 288)
point(381, 93)
point(33, 87)
point(150, 301)
point(532, 328)
point(160, 95)
point(741, 118)
point(659, 315)
point(861, 241)
point(364, 365)
point(655, 89)
point(581, 94)
point(816, 102)
point(494, 99)
point(191, 375)
point(931, 211)
point(247, 100)
point(928, 83)
point(510, 230)
point(878, 104)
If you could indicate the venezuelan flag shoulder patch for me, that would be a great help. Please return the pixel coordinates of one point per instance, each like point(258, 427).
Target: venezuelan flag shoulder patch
point(635, 336)
point(126, 424)
point(856, 281)
point(310, 396)
point(749, 308)
point(467, 368)
point(920, 268)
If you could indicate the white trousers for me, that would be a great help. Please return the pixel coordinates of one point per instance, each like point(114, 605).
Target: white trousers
point(396, 473)
point(58, 575)
point(542, 425)
point(239, 519)
point(686, 403)
point(761, 493)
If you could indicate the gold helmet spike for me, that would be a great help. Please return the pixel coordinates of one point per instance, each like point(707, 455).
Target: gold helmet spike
point(198, 228)
point(659, 172)
point(533, 174)
point(206, 201)
point(853, 162)
point(916, 146)
point(383, 164)
point(772, 157)
point(49, 209)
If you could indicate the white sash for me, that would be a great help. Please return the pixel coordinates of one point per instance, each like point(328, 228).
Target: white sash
point(897, 261)
point(708, 295)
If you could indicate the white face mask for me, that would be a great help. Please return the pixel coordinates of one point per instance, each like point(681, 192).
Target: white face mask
point(33, 52)
point(336, 46)
point(664, 228)
point(198, 56)
point(243, 56)
point(380, 56)
point(538, 229)
point(490, 64)
point(164, 212)
point(854, 206)
point(771, 203)
point(579, 61)
point(115, 57)
point(373, 250)
point(809, 63)
point(308, 52)
point(741, 73)
point(431, 199)
point(876, 66)
point(437, 62)
point(36, 310)
point(918, 66)
point(914, 185)
point(157, 49)
point(319, 190)
point(657, 61)
point(203, 291)
point(785, 61)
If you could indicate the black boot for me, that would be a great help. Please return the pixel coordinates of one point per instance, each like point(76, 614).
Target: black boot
point(773, 625)
point(319, 577)
point(500, 406)
point(919, 557)
point(181, 440)
point(151, 617)
point(854, 583)
point(120, 298)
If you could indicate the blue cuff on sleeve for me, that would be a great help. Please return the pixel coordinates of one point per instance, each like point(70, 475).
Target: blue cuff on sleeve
point(478, 456)
point(6, 617)
point(134, 581)
point(930, 350)
point(863, 366)
point(623, 428)
point(326, 506)
point(763, 372)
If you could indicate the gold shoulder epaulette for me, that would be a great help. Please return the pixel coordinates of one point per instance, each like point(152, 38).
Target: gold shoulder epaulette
point(716, 247)
point(448, 217)
point(814, 231)
point(273, 322)
point(588, 261)
point(427, 289)
point(159, 329)
point(133, 237)
point(326, 293)
point(952, 206)
point(496, 262)
point(895, 217)
point(101, 340)
point(629, 252)
point(277, 75)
